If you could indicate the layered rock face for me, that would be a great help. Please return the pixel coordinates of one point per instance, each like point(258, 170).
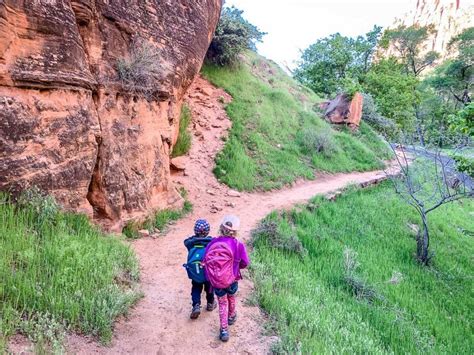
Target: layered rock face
point(69, 125)
point(449, 18)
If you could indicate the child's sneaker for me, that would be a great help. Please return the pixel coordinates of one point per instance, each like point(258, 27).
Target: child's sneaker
point(232, 319)
point(224, 335)
point(211, 306)
point(196, 311)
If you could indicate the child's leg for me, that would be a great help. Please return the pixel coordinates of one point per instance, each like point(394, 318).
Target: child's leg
point(209, 293)
point(196, 291)
point(223, 311)
point(231, 299)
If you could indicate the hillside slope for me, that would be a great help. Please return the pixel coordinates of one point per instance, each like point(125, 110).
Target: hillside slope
point(276, 135)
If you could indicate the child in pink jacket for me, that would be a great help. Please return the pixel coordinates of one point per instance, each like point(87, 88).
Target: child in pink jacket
point(226, 297)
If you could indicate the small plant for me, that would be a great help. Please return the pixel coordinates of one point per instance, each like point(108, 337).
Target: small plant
point(160, 220)
point(356, 284)
point(183, 144)
point(272, 233)
point(137, 72)
point(321, 141)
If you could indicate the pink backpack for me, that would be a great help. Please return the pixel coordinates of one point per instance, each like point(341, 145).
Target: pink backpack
point(219, 264)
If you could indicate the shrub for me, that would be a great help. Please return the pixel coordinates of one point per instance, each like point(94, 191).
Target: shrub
point(318, 141)
point(233, 35)
point(183, 144)
point(277, 237)
point(356, 284)
point(371, 115)
point(137, 72)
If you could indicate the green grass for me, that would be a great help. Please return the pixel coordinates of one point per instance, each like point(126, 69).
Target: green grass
point(341, 277)
point(183, 144)
point(160, 220)
point(58, 273)
point(272, 119)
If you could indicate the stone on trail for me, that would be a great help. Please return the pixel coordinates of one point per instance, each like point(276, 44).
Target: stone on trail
point(144, 233)
point(179, 163)
point(207, 91)
point(233, 193)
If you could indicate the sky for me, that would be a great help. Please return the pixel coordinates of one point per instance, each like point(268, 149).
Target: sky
point(292, 25)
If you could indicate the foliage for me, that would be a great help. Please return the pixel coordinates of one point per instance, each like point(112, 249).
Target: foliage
point(59, 273)
point(463, 121)
point(370, 114)
point(278, 235)
point(183, 144)
point(319, 141)
point(464, 165)
point(264, 148)
point(408, 43)
point(233, 36)
point(137, 72)
point(413, 310)
point(334, 62)
point(392, 88)
point(454, 77)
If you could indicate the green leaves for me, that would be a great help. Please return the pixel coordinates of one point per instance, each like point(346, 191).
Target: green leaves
point(233, 35)
point(332, 62)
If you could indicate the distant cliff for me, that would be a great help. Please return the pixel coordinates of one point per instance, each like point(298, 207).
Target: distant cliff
point(69, 125)
point(449, 17)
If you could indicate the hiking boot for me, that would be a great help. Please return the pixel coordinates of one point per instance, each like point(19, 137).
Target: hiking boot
point(196, 311)
point(224, 335)
point(232, 319)
point(211, 306)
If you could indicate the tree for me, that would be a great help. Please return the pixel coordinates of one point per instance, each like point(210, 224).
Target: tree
point(392, 88)
point(408, 43)
point(455, 77)
point(233, 35)
point(328, 65)
point(428, 180)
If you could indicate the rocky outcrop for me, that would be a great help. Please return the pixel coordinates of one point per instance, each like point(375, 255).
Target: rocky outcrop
point(449, 18)
point(70, 126)
point(344, 110)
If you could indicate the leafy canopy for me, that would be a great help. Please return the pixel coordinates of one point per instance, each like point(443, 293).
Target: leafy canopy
point(408, 43)
point(335, 62)
point(233, 35)
point(455, 77)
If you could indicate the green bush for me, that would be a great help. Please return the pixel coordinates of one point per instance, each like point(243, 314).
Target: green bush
point(233, 36)
point(183, 144)
point(59, 273)
point(318, 141)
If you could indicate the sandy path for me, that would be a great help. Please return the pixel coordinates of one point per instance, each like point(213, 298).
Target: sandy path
point(160, 324)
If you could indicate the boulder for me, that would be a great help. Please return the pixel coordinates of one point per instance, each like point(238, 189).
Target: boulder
point(344, 110)
point(70, 125)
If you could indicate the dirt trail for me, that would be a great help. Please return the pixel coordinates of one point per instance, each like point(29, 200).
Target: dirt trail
point(160, 324)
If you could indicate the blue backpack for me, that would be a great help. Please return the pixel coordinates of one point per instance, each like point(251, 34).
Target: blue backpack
point(194, 266)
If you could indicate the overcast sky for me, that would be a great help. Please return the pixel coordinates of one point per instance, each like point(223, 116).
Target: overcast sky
point(293, 25)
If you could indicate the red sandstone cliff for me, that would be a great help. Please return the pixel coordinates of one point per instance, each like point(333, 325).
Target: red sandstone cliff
point(69, 126)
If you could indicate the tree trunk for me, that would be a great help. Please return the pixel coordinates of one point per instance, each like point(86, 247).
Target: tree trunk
point(423, 242)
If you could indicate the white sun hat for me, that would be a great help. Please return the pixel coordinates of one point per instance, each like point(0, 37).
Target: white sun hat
point(231, 222)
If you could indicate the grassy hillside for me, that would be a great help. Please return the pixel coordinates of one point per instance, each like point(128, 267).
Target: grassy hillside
point(340, 277)
point(59, 273)
point(276, 135)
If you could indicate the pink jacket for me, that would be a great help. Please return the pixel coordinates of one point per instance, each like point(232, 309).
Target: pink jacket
point(241, 259)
